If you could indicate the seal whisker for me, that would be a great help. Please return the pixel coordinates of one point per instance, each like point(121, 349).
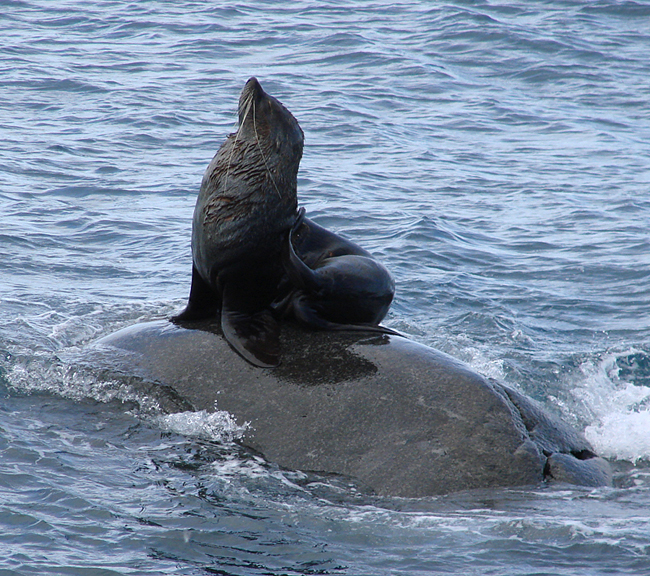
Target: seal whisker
point(247, 107)
point(259, 147)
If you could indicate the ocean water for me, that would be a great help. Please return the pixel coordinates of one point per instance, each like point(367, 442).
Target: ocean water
point(494, 155)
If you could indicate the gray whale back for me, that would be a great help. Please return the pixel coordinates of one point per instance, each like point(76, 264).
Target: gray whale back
point(396, 417)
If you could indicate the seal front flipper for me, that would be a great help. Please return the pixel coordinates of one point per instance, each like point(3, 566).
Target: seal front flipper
point(203, 302)
point(255, 335)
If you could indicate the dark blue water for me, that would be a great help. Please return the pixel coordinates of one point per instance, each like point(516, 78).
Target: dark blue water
point(495, 156)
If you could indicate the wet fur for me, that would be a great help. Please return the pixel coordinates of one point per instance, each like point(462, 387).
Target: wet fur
point(334, 283)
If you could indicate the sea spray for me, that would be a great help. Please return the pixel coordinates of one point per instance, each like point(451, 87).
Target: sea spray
point(218, 426)
point(618, 404)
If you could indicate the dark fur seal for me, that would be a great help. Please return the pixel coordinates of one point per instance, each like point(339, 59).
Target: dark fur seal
point(255, 259)
point(246, 205)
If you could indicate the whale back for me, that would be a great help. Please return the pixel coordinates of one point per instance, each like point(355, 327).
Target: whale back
point(396, 417)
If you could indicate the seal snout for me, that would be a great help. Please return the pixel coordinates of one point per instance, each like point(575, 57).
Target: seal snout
point(252, 89)
point(253, 83)
point(252, 94)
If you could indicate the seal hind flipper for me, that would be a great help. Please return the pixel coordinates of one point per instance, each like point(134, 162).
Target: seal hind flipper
point(203, 301)
point(341, 287)
point(300, 275)
point(306, 315)
point(254, 335)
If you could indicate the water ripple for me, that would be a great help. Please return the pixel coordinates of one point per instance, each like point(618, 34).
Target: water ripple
point(492, 155)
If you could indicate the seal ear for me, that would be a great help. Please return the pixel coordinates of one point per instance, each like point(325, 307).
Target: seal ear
point(254, 335)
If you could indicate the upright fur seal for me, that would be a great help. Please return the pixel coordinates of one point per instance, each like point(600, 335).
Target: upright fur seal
point(246, 205)
point(255, 259)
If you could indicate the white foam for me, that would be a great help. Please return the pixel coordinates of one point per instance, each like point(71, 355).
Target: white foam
point(619, 410)
point(622, 435)
point(218, 426)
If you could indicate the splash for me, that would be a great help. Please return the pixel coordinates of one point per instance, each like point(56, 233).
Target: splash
point(218, 426)
point(615, 392)
point(46, 373)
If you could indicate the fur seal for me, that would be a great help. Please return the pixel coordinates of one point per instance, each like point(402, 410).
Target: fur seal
point(246, 205)
point(256, 259)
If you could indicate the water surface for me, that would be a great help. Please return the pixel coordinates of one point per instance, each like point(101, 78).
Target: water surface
point(493, 155)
